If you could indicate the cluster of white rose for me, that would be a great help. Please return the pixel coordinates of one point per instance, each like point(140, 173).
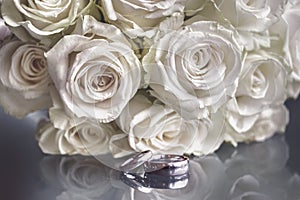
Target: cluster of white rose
point(172, 76)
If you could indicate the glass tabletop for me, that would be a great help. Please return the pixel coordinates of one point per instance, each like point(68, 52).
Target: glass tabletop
point(268, 170)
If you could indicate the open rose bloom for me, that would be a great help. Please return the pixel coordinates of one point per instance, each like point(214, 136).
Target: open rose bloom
point(170, 76)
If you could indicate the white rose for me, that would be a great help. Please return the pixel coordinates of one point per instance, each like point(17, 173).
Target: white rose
point(67, 134)
point(136, 16)
point(257, 127)
point(252, 18)
point(43, 18)
point(256, 16)
point(95, 76)
point(292, 17)
point(262, 83)
point(24, 70)
point(156, 127)
point(260, 94)
point(82, 136)
point(194, 70)
point(209, 11)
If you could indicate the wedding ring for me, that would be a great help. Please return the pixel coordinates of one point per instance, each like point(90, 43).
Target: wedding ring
point(167, 165)
point(135, 161)
point(164, 165)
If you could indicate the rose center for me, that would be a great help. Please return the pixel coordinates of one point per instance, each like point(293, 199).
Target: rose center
point(196, 58)
point(102, 82)
point(38, 65)
point(201, 58)
point(258, 81)
point(34, 66)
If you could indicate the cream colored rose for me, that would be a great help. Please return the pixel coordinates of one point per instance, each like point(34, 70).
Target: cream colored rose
point(252, 19)
point(67, 134)
point(260, 94)
point(156, 127)
point(256, 15)
point(262, 83)
point(292, 17)
point(43, 18)
point(136, 16)
point(24, 72)
point(24, 68)
point(194, 70)
point(81, 136)
point(257, 127)
point(95, 76)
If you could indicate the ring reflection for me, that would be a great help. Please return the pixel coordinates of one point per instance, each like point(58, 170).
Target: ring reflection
point(256, 171)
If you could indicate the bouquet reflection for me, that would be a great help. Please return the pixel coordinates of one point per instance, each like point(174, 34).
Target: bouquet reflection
point(256, 171)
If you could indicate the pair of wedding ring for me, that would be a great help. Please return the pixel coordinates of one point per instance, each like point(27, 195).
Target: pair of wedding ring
point(164, 164)
point(160, 171)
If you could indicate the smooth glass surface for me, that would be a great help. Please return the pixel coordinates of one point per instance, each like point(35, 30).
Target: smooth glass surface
point(268, 170)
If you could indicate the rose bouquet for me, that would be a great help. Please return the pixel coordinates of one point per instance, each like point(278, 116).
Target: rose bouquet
point(175, 76)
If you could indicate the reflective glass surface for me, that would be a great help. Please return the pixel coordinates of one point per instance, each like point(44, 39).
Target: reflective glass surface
point(268, 170)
